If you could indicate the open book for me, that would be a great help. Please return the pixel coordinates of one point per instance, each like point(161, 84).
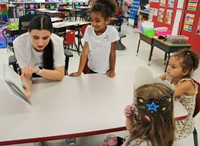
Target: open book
point(14, 84)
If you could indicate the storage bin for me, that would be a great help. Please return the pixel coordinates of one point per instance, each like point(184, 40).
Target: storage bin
point(177, 39)
point(163, 33)
point(149, 32)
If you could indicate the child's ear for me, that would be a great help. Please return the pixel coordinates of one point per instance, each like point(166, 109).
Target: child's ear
point(108, 20)
point(185, 72)
point(147, 118)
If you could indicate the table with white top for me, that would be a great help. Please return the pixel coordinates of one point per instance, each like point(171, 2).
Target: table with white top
point(74, 107)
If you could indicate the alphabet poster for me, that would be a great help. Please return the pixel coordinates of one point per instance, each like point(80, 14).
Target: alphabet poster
point(170, 3)
point(162, 2)
point(192, 5)
point(161, 15)
point(168, 18)
point(189, 20)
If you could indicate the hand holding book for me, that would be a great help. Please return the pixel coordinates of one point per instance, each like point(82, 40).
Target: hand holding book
point(14, 84)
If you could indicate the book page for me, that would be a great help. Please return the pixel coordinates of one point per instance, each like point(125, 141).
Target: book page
point(10, 75)
point(14, 84)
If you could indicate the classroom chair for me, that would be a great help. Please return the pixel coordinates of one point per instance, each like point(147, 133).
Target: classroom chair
point(196, 111)
point(69, 41)
point(23, 26)
point(82, 32)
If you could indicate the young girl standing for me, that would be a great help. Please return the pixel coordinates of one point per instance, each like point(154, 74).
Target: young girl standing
point(100, 40)
point(181, 66)
point(150, 121)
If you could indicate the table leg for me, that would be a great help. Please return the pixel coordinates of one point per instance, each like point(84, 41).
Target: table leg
point(75, 15)
point(79, 40)
point(138, 47)
point(165, 57)
point(151, 52)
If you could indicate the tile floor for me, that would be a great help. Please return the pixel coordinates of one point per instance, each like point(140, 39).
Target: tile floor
point(126, 60)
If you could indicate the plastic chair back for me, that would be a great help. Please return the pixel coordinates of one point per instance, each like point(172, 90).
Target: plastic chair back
point(24, 23)
point(70, 37)
point(83, 28)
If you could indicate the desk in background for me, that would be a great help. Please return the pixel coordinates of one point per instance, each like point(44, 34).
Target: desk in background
point(70, 24)
point(77, 106)
point(162, 45)
point(167, 48)
point(145, 38)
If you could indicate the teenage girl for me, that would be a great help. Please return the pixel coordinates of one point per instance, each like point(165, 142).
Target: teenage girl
point(40, 52)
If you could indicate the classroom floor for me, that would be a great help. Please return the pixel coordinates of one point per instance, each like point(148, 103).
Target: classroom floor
point(126, 60)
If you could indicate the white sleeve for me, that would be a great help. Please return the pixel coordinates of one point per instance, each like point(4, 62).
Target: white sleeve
point(86, 35)
point(59, 57)
point(19, 49)
point(114, 34)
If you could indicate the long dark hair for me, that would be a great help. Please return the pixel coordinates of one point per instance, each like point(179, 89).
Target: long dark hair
point(43, 22)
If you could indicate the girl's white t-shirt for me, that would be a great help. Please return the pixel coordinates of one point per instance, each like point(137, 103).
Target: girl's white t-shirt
point(100, 48)
point(27, 56)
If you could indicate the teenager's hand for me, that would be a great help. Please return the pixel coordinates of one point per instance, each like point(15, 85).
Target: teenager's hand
point(28, 71)
point(75, 74)
point(27, 83)
point(110, 73)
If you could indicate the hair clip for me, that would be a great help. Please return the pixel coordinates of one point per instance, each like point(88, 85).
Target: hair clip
point(154, 105)
point(134, 113)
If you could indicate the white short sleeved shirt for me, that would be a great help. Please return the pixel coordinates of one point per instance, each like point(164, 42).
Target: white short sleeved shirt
point(100, 48)
point(27, 56)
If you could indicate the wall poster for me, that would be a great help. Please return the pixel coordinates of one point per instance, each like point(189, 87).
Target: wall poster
point(168, 18)
point(198, 27)
point(161, 15)
point(189, 19)
point(170, 3)
point(192, 5)
point(162, 3)
point(180, 4)
point(154, 1)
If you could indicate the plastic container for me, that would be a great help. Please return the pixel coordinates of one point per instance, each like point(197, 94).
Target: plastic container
point(139, 26)
point(161, 29)
point(163, 33)
point(177, 39)
point(149, 32)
